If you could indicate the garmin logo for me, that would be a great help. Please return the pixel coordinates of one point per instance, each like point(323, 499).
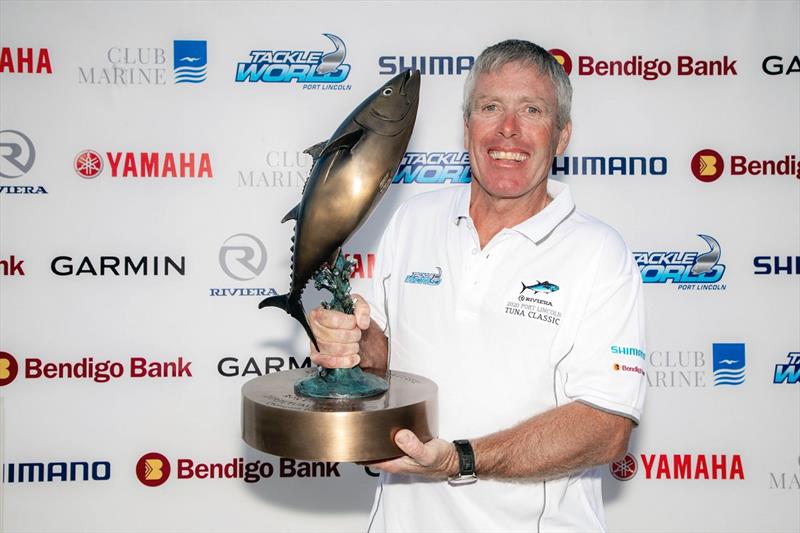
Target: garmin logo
point(111, 265)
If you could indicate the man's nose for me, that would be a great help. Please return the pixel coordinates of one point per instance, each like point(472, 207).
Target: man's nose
point(509, 125)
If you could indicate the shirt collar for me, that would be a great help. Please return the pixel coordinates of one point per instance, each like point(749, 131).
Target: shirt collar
point(538, 227)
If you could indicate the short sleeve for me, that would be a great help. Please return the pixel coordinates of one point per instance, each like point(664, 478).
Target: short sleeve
point(606, 367)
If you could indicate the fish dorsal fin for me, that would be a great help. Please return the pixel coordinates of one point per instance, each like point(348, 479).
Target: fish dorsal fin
point(292, 214)
point(316, 150)
point(346, 141)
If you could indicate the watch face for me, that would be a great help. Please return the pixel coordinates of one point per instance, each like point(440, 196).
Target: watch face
point(462, 479)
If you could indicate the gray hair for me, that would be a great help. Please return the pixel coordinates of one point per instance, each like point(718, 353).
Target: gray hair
point(526, 54)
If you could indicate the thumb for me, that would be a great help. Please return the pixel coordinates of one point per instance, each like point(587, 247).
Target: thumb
point(411, 445)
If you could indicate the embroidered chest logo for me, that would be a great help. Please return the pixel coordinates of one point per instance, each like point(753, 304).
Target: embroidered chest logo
point(425, 278)
point(534, 303)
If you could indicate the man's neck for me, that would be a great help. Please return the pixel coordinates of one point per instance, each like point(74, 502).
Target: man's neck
point(491, 215)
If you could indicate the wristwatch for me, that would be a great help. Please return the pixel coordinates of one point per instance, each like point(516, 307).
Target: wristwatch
point(466, 464)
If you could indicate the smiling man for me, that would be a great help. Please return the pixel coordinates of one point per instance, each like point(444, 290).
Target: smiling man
point(523, 331)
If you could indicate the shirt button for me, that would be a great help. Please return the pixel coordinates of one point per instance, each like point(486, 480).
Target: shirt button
point(474, 251)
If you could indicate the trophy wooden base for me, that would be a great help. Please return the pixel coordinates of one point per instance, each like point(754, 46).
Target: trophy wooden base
point(276, 420)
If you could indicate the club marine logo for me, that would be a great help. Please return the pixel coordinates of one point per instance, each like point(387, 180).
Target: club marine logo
point(314, 69)
point(788, 372)
point(785, 480)
point(729, 363)
point(8, 368)
point(35, 472)
point(707, 165)
point(153, 469)
point(427, 65)
point(88, 164)
point(434, 168)
point(563, 59)
point(284, 169)
point(17, 152)
point(242, 256)
point(647, 68)
point(190, 60)
point(12, 266)
point(21, 60)
point(688, 270)
point(625, 468)
point(777, 65)
point(127, 66)
point(766, 264)
point(678, 369)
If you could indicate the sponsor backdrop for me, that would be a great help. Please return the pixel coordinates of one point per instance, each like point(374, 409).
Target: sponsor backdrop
point(149, 150)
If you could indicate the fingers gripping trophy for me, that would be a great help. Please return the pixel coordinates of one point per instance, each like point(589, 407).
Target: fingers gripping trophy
point(341, 414)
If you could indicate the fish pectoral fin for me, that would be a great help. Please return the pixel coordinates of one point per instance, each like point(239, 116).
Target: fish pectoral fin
point(292, 214)
point(316, 150)
point(346, 141)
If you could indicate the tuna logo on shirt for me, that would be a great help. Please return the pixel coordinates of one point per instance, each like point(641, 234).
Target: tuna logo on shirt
point(540, 286)
point(425, 278)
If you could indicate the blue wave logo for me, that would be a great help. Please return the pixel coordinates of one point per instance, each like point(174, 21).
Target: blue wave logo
point(190, 61)
point(728, 363)
point(425, 278)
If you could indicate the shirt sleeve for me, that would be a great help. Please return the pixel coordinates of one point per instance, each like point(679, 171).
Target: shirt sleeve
point(606, 367)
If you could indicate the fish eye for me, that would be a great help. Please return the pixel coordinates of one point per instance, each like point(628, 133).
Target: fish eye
point(387, 91)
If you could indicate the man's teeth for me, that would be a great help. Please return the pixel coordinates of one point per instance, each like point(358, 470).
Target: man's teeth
point(513, 156)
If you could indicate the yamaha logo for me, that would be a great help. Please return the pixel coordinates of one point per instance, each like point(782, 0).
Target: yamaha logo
point(88, 164)
point(625, 468)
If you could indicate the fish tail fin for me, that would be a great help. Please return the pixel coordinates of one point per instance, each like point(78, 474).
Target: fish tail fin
point(294, 308)
point(523, 287)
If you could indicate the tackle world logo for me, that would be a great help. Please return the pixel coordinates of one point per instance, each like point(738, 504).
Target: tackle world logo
point(434, 168)
point(689, 270)
point(190, 61)
point(708, 165)
point(314, 69)
point(729, 363)
point(425, 278)
point(788, 372)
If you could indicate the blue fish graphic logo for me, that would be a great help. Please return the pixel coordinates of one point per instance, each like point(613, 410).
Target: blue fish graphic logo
point(540, 286)
point(728, 363)
point(191, 61)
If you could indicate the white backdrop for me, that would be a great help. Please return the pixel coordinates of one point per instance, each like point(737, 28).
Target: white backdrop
point(101, 76)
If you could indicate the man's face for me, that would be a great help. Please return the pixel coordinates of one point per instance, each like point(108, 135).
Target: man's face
point(512, 134)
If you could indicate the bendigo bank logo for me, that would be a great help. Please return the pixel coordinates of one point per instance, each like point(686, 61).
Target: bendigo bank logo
point(707, 165)
point(153, 469)
point(89, 164)
point(8, 368)
point(676, 466)
point(563, 59)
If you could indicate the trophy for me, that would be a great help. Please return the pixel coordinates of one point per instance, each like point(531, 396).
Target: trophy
point(342, 414)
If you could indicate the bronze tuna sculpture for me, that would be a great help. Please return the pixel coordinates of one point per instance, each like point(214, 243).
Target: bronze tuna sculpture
point(350, 173)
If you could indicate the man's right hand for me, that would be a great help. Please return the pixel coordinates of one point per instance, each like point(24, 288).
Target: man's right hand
point(338, 335)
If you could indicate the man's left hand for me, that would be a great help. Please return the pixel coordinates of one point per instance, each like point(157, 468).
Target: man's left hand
point(436, 458)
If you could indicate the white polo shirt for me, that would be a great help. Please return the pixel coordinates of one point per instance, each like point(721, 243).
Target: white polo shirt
point(549, 312)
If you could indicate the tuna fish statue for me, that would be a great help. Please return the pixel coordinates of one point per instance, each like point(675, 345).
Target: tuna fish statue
point(350, 174)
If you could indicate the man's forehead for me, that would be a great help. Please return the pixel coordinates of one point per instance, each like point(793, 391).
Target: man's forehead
point(492, 80)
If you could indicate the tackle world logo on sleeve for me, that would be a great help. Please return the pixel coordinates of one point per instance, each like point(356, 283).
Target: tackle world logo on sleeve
point(425, 278)
point(729, 362)
point(788, 372)
point(687, 269)
point(190, 61)
point(313, 69)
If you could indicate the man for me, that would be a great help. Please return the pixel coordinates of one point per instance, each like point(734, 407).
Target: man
point(519, 307)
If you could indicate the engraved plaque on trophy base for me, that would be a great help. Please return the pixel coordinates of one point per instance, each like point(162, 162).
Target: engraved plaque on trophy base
point(277, 421)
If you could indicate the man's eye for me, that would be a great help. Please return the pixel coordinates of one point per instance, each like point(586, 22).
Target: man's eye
point(532, 110)
point(489, 107)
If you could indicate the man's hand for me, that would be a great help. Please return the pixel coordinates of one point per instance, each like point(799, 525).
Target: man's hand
point(436, 458)
point(338, 335)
